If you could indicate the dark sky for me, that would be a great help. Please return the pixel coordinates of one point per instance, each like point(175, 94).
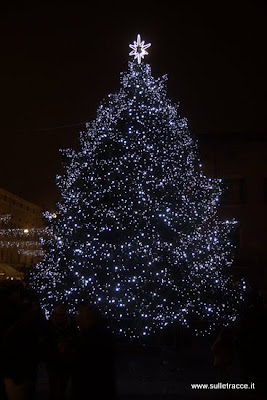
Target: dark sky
point(57, 64)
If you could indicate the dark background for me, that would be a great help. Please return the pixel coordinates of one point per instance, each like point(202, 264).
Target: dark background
point(57, 64)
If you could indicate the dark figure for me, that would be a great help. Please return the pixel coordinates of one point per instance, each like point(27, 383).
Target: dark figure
point(93, 368)
point(6, 308)
point(20, 351)
point(251, 333)
point(60, 335)
point(223, 352)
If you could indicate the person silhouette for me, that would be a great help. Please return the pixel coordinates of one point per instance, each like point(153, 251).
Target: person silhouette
point(21, 351)
point(251, 335)
point(93, 359)
point(223, 352)
point(60, 334)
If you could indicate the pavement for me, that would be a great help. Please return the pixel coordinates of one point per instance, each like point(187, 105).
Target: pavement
point(162, 372)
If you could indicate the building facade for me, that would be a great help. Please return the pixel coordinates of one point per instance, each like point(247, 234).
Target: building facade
point(20, 222)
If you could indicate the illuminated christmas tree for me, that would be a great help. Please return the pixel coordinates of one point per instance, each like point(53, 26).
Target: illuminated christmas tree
point(136, 231)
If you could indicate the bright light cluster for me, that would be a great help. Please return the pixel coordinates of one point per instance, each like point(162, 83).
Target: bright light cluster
point(5, 218)
point(139, 49)
point(136, 231)
point(27, 241)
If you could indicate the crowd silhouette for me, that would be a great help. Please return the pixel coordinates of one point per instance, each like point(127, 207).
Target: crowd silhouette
point(78, 350)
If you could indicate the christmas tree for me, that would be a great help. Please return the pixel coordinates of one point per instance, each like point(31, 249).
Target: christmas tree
point(137, 231)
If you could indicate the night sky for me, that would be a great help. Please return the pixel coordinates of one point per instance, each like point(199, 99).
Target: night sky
point(57, 64)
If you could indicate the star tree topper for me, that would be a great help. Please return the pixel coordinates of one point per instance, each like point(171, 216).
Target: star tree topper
point(139, 49)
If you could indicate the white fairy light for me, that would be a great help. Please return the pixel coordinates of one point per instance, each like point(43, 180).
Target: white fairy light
point(5, 218)
point(137, 231)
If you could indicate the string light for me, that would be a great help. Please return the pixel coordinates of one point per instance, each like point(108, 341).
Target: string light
point(25, 232)
point(26, 241)
point(137, 231)
point(5, 218)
